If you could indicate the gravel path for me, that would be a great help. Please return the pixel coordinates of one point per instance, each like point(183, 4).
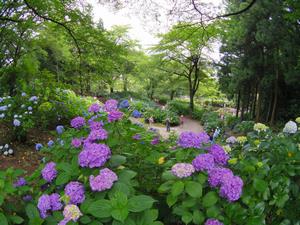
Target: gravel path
point(188, 125)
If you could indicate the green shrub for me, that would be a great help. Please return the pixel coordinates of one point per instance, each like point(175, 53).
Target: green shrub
point(179, 107)
point(244, 127)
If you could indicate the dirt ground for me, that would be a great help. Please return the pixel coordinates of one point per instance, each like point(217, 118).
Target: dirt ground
point(25, 156)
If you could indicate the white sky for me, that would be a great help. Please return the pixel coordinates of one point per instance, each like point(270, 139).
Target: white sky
point(137, 31)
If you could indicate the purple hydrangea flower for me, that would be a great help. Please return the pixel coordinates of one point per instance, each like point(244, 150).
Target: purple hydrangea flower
point(48, 203)
point(20, 182)
point(203, 162)
point(99, 134)
point(27, 198)
point(95, 125)
point(55, 202)
point(155, 141)
point(75, 190)
point(29, 108)
point(111, 105)
point(78, 122)
point(76, 142)
point(124, 104)
point(103, 181)
point(23, 94)
point(94, 108)
point(216, 174)
point(213, 222)
point(231, 188)
point(38, 146)
point(137, 137)
point(114, 115)
point(16, 122)
point(182, 170)
point(231, 140)
point(220, 156)
point(49, 172)
point(94, 155)
point(50, 143)
point(189, 139)
point(44, 205)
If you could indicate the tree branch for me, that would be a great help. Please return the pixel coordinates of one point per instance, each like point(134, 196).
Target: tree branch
point(56, 22)
point(238, 12)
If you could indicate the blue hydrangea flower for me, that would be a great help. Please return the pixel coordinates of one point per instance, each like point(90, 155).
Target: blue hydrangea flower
point(16, 122)
point(60, 129)
point(29, 108)
point(50, 143)
point(136, 114)
point(38, 146)
point(124, 104)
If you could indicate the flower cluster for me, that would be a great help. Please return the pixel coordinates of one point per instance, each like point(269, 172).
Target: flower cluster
point(136, 114)
point(60, 129)
point(103, 181)
point(137, 137)
point(259, 127)
point(94, 108)
point(75, 191)
point(99, 134)
point(124, 104)
point(297, 119)
point(76, 142)
point(78, 122)
point(155, 140)
point(71, 212)
point(290, 127)
point(95, 125)
point(220, 156)
point(48, 203)
point(114, 115)
point(94, 155)
point(230, 186)
point(111, 105)
point(189, 139)
point(6, 150)
point(241, 139)
point(182, 170)
point(49, 172)
point(213, 222)
point(231, 140)
point(20, 182)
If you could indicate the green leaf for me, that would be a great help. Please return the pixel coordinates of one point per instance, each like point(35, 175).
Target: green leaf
point(150, 215)
point(62, 178)
point(194, 189)
point(202, 178)
point(213, 212)
point(117, 160)
point(165, 186)
point(168, 175)
point(140, 203)
point(171, 200)
point(260, 185)
point(210, 199)
point(3, 219)
point(187, 217)
point(126, 175)
point(85, 219)
point(120, 213)
point(177, 188)
point(1, 200)
point(198, 217)
point(16, 219)
point(32, 211)
point(100, 208)
point(96, 223)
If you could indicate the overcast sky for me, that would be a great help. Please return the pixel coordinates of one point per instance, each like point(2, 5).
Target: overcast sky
point(137, 31)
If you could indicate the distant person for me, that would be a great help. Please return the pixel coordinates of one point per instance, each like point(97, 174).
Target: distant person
point(222, 116)
point(168, 124)
point(151, 121)
point(216, 134)
point(211, 135)
point(181, 120)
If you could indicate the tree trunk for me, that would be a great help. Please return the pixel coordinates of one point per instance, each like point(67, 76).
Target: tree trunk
point(172, 94)
point(125, 83)
point(111, 89)
point(276, 90)
point(238, 104)
point(258, 106)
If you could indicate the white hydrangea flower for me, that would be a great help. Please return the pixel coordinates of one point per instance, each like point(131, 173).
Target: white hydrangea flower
point(260, 127)
point(290, 127)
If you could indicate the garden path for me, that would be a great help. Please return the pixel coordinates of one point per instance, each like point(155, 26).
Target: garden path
point(188, 125)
